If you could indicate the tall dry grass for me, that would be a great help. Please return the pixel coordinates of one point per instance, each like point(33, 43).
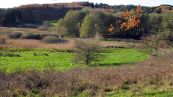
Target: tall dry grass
point(29, 43)
point(119, 44)
point(14, 29)
point(2, 39)
point(68, 44)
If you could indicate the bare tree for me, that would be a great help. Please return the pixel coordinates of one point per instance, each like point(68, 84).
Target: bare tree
point(87, 51)
point(154, 44)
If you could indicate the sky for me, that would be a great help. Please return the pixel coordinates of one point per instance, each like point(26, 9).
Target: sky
point(15, 3)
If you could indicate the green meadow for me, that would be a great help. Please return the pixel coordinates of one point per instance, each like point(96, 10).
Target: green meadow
point(63, 60)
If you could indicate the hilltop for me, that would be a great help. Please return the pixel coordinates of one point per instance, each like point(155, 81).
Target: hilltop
point(163, 8)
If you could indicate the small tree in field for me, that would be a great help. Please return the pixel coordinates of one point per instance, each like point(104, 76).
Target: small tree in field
point(87, 51)
point(154, 45)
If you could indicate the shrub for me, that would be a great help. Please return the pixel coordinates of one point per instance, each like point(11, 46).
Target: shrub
point(31, 36)
point(52, 39)
point(10, 55)
point(154, 44)
point(61, 31)
point(168, 37)
point(40, 54)
point(15, 35)
point(44, 35)
point(87, 51)
point(2, 40)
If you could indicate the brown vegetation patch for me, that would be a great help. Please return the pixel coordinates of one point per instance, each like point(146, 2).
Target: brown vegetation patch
point(2, 39)
point(119, 44)
point(61, 44)
point(29, 43)
point(13, 29)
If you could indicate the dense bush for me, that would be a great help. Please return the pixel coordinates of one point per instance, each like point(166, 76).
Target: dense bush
point(31, 36)
point(53, 39)
point(5, 54)
point(48, 34)
point(15, 35)
point(40, 54)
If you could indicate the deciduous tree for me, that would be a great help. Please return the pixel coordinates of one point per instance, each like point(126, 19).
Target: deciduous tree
point(87, 51)
point(92, 24)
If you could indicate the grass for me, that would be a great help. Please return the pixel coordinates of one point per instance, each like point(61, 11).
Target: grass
point(39, 59)
point(148, 93)
point(150, 78)
point(61, 60)
point(122, 56)
point(129, 93)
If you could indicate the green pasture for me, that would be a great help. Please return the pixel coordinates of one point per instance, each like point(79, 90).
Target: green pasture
point(42, 59)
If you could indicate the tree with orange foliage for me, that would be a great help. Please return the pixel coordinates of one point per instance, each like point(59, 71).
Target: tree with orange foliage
point(111, 28)
point(131, 21)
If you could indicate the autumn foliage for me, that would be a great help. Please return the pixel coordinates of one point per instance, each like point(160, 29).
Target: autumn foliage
point(131, 20)
point(111, 28)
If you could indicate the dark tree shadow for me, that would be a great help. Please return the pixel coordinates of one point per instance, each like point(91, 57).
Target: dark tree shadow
point(111, 64)
point(63, 41)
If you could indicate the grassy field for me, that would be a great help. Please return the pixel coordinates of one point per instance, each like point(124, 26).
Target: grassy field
point(41, 59)
point(129, 93)
point(145, 93)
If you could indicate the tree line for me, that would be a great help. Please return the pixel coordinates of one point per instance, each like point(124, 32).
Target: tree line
point(129, 24)
point(38, 13)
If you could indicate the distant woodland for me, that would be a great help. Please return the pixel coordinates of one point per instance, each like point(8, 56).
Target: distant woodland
point(85, 19)
point(36, 13)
